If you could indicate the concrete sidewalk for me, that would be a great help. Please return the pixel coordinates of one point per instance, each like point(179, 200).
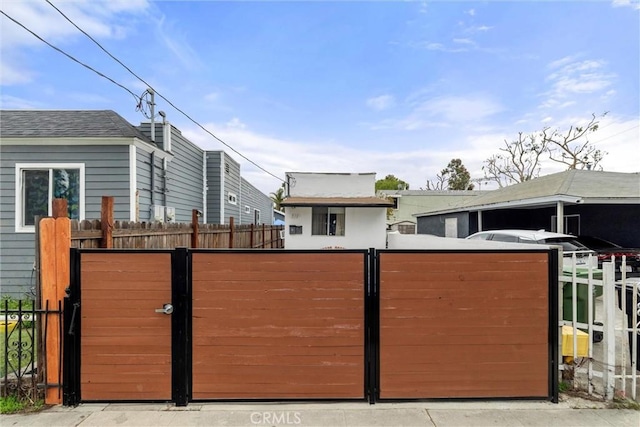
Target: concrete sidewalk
point(423, 414)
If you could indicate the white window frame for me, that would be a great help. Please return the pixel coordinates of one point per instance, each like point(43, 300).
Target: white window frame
point(232, 198)
point(256, 216)
point(19, 227)
point(247, 209)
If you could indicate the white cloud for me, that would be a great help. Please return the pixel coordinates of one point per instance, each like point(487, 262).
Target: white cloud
point(235, 123)
point(113, 19)
point(380, 103)
point(426, 111)
point(100, 19)
point(212, 96)
point(174, 40)
point(477, 29)
point(635, 4)
point(13, 73)
point(9, 102)
point(571, 77)
point(460, 109)
point(617, 136)
point(440, 47)
point(464, 41)
point(470, 12)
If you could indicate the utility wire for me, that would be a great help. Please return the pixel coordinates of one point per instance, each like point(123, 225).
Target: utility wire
point(164, 98)
point(616, 134)
point(71, 57)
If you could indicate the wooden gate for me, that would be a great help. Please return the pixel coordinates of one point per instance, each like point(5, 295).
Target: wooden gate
point(125, 344)
point(193, 325)
point(278, 325)
point(466, 325)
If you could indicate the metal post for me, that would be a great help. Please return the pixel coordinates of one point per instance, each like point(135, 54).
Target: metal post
point(152, 108)
point(560, 217)
point(608, 284)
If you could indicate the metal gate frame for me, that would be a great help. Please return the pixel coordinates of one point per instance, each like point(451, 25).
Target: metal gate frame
point(181, 323)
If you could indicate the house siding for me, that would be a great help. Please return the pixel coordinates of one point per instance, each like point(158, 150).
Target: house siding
point(219, 210)
point(106, 174)
point(435, 225)
point(143, 184)
point(255, 199)
point(180, 186)
point(214, 185)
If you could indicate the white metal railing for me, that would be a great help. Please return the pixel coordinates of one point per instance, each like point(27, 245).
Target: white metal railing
point(608, 367)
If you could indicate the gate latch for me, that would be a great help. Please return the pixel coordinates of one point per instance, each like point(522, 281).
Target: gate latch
point(166, 309)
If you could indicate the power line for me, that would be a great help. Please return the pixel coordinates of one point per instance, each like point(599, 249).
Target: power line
point(161, 96)
point(70, 57)
point(616, 134)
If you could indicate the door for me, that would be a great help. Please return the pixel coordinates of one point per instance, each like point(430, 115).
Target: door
point(125, 344)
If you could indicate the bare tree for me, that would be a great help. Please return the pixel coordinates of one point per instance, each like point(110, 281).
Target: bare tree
point(572, 147)
point(440, 183)
point(518, 161)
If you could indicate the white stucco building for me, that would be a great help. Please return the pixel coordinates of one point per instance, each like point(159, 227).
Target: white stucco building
point(334, 210)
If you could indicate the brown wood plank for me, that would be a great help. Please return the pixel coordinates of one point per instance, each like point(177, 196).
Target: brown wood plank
point(278, 325)
point(463, 325)
point(125, 345)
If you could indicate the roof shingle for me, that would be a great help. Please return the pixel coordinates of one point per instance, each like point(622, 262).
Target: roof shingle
point(66, 124)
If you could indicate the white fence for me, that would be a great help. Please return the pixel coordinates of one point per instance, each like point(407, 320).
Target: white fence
point(599, 325)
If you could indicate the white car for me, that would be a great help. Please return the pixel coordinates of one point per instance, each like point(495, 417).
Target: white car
point(568, 242)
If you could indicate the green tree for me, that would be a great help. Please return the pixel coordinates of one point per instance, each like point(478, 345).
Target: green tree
point(454, 177)
point(390, 182)
point(278, 197)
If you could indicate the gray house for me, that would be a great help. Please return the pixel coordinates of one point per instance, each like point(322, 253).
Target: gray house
point(595, 203)
point(84, 155)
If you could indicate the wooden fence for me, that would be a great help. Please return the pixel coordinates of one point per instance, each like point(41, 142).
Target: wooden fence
point(107, 233)
point(138, 235)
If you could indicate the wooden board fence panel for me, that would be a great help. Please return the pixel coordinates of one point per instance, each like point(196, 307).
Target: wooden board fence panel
point(125, 345)
point(462, 325)
point(54, 262)
point(143, 235)
point(278, 325)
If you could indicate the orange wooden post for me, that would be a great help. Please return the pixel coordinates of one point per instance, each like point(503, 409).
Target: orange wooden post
point(194, 228)
point(55, 244)
point(231, 230)
point(106, 222)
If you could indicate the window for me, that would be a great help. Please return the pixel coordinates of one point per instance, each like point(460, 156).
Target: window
point(327, 221)
point(38, 184)
point(226, 167)
point(247, 209)
point(395, 201)
point(256, 216)
point(232, 198)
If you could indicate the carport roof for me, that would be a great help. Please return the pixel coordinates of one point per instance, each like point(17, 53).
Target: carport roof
point(572, 186)
point(347, 202)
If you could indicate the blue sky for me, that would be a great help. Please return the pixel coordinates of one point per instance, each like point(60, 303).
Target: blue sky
point(392, 87)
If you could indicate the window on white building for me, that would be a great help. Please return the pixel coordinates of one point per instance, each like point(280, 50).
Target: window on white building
point(38, 184)
point(327, 221)
point(232, 198)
